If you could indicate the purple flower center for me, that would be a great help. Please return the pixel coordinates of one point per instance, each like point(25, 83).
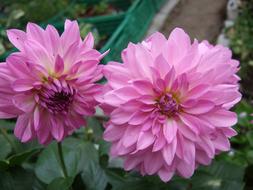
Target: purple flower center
point(167, 105)
point(57, 97)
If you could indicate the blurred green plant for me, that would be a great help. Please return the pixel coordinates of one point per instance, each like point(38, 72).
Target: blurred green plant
point(241, 152)
point(83, 10)
point(241, 43)
point(16, 14)
point(85, 28)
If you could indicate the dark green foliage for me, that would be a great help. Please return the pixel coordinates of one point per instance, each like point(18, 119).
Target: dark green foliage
point(241, 42)
point(86, 158)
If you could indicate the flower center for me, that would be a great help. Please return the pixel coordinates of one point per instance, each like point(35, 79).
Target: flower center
point(167, 105)
point(57, 96)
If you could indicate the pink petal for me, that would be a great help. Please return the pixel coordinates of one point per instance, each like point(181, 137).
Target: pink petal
point(131, 136)
point(21, 85)
point(57, 129)
point(83, 108)
point(170, 130)
point(39, 54)
point(143, 87)
point(165, 175)
point(145, 140)
point(138, 118)
point(221, 118)
point(187, 132)
point(202, 157)
point(23, 128)
point(71, 28)
point(202, 106)
point(44, 129)
point(197, 91)
point(104, 54)
point(170, 77)
point(159, 143)
point(4, 115)
point(127, 93)
point(169, 151)
point(186, 170)
point(221, 142)
point(157, 41)
point(175, 52)
point(89, 40)
point(17, 38)
point(36, 33)
point(24, 102)
point(36, 117)
point(113, 133)
point(53, 39)
point(229, 132)
point(119, 116)
point(189, 151)
point(153, 163)
point(190, 121)
point(162, 65)
point(207, 145)
point(59, 65)
point(131, 162)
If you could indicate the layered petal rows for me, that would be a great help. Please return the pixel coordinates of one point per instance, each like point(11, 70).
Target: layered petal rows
point(169, 104)
point(49, 84)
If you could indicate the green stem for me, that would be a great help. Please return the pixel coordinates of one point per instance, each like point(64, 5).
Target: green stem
point(10, 141)
point(62, 163)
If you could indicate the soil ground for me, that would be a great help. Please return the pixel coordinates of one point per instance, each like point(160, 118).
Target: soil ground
point(201, 19)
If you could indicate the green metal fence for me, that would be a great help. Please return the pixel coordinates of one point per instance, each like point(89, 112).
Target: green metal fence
point(133, 28)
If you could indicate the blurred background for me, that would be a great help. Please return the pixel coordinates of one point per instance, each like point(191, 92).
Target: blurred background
point(114, 23)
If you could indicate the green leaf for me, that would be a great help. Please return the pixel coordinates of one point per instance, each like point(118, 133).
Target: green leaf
point(60, 183)
point(18, 159)
point(4, 164)
point(116, 176)
point(104, 147)
point(92, 173)
point(79, 156)
point(38, 185)
point(249, 136)
point(119, 179)
point(94, 177)
point(7, 124)
point(96, 127)
point(249, 155)
point(16, 179)
point(78, 183)
point(219, 176)
point(5, 148)
point(244, 111)
point(136, 184)
point(47, 167)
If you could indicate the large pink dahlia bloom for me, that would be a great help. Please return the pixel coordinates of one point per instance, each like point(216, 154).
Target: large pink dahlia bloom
point(169, 104)
point(50, 83)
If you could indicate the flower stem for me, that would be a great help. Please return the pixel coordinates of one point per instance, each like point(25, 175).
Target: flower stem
point(8, 139)
point(62, 163)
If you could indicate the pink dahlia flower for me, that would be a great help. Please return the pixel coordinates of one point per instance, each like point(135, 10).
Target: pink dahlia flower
point(50, 83)
point(169, 104)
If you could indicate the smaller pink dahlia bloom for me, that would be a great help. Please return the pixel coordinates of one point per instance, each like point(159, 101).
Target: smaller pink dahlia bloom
point(169, 104)
point(50, 83)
